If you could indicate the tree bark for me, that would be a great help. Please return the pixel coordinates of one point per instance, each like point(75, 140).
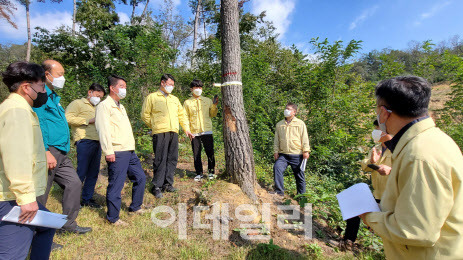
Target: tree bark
point(74, 18)
point(239, 158)
point(145, 9)
point(134, 5)
point(29, 37)
point(195, 31)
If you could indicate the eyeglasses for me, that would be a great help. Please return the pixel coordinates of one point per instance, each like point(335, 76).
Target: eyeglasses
point(41, 85)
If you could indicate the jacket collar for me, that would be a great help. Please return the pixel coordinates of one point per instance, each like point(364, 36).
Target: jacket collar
point(391, 144)
point(114, 103)
point(416, 128)
point(295, 119)
point(85, 100)
point(22, 101)
point(161, 93)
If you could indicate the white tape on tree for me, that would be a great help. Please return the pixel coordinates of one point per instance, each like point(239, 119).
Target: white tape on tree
point(229, 83)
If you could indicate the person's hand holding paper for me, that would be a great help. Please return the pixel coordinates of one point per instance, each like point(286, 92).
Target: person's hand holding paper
point(28, 212)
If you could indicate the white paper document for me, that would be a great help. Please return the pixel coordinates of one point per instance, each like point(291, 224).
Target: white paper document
point(41, 219)
point(356, 200)
point(303, 164)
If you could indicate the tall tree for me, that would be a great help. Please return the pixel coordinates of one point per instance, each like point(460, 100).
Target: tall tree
point(134, 4)
point(27, 4)
point(74, 9)
point(195, 29)
point(95, 16)
point(239, 158)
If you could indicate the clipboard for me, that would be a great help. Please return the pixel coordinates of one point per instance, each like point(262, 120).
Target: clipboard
point(41, 219)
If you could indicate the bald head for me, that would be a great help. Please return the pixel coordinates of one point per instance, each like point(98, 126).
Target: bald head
point(53, 70)
point(49, 65)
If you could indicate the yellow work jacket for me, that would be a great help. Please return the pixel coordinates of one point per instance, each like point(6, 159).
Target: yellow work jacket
point(114, 128)
point(199, 112)
point(23, 164)
point(291, 138)
point(422, 207)
point(164, 113)
point(78, 113)
point(378, 181)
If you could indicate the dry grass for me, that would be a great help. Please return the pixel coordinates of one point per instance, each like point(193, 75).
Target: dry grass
point(143, 239)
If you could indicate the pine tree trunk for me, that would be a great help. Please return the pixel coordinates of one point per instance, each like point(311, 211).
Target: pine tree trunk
point(134, 5)
point(74, 19)
point(145, 9)
point(29, 37)
point(195, 32)
point(239, 159)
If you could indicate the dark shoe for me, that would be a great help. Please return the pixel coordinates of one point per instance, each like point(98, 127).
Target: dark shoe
point(170, 189)
point(91, 204)
point(156, 192)
point(56, 247)
point(277, 193)
point(346, 245)
point(77, 230)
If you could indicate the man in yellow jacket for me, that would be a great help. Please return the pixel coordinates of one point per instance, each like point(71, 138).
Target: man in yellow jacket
point(23, 164)
point(200, 110)
point(162, 112)
point(118, 145)
point(80, 114)
point(291, 146)
point(422, 206)
point(381, 157)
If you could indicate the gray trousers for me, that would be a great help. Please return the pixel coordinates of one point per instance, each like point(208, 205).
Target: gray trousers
point(66, 177)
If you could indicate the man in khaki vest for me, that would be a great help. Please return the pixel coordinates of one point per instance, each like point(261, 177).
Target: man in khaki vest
point(291, 146)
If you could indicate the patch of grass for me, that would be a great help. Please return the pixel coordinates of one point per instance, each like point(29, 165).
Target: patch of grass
point(314, 250)
point(272, 251)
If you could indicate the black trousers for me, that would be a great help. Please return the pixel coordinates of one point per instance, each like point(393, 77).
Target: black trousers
point(66, 177)
point(197, 144)
point(352, 227)
point(165, 147)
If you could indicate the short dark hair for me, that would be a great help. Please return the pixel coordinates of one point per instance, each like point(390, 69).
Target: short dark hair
point(97, 87)
point(291, 104)
point(113, 79)
point(407, 96)
point(375, 123)
point(21, 71)
point(196, 83)
point(166, 76)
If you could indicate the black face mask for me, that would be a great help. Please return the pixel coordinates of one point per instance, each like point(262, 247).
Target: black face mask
point(41, 99)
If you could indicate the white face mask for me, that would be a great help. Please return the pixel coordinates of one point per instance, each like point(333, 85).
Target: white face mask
point(376, 135)
point(94, 100)
point(58, 82)
point(122, 93)
point(287, 112)
point(168, 89)
point(382, 126)
point(197, 91)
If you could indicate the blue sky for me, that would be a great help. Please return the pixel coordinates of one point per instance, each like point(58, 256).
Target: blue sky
point(378, 23)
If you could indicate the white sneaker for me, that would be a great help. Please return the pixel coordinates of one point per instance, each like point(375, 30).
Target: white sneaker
point(211, 176)
point(120, 223)
point(198, 177)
